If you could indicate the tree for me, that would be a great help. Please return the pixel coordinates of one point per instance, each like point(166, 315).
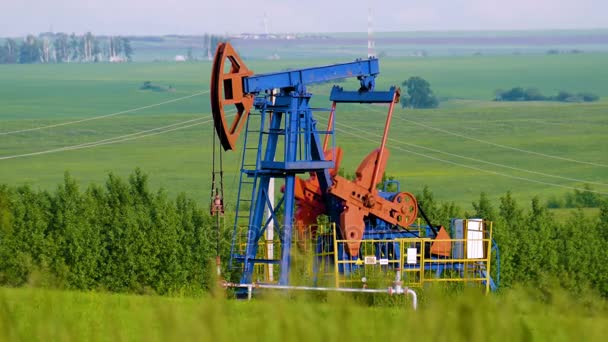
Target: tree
point(589, 97)
point(73, 48)
point(418, 94)
point(514, 94)
point(62, 52)
point(189, 54)
point(96, 51)
point(30, 51)
point(533, 94)
point(483, 208)
point(509, 230)
point(3, 55)
point(426, 201)
point(9, 53)
point(13, 50)
point(127, 49)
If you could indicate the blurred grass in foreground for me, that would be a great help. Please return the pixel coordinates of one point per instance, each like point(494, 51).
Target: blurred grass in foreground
point(515, 315)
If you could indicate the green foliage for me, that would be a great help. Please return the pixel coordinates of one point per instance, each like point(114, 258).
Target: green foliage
point(585, 198)
point(603, 220)
point(483, 208)
point(418, 94)
point(533, 94)
point(121, 237)
point(438, 213)
point(515, 315)
point(536, 250)
point(147, 85)
point(9, 53)
point(30, 50)
point(61, 48)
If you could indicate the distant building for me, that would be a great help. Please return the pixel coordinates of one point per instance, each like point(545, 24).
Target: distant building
point(117, 59)
point(274, 57)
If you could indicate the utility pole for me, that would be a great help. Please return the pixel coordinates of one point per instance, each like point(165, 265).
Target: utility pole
point(371, 46)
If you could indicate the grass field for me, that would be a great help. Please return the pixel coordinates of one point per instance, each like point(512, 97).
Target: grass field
point(429, 147)
point(33, 314)
point(468, 145)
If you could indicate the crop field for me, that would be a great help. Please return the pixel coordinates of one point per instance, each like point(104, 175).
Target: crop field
point(468, 145)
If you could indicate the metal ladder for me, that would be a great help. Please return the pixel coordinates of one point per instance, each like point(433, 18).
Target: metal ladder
point(248, 179)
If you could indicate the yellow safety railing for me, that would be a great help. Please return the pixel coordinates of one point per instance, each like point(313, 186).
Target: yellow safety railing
point(420, 260)
point(306, 263)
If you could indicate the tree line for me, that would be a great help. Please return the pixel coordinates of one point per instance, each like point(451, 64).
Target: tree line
point(124, 237)
point(64, 48)
point(210, 42)
point(533, 94)
point(585, 198)
point(119, 237)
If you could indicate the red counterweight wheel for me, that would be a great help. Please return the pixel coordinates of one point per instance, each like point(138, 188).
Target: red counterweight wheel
point(227, 89)
point(408, 208)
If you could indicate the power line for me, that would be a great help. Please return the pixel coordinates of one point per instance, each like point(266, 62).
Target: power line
point(138, 133)
point(136, 137)
point(476, 168)
point(502, 146)
point(105, 116)
point(482, 161)
point(118, 139)
point(104, 141)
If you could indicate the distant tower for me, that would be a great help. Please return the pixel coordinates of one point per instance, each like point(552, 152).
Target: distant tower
point(209, 57)
point(266, 31)
point(371, 46)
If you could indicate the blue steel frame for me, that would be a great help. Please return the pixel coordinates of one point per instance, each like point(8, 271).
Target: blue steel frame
point(293, 124)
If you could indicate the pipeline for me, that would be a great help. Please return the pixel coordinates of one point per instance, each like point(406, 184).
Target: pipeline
point(396, 289)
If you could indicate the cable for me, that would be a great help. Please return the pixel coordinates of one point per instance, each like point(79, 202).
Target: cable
point(105, 141)
point(104, 116)
point(113, 140)
point(502, 146)
point(137, 133)
point(476, 168)
point(482, 161)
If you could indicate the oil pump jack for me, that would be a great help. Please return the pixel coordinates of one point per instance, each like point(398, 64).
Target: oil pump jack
point(284, 142)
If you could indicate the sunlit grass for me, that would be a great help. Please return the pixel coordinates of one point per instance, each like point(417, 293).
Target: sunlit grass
point(33, 314)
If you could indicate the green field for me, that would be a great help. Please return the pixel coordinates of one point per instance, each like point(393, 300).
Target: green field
point(27, 314)
point(91, 120)
point(429, 147)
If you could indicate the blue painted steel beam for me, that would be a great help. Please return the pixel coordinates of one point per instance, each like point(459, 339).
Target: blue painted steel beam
point(341, 96)
point(302, 77)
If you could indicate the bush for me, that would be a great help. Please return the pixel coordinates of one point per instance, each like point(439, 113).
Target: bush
point(533, 94)
point(585, 198)
point(589, 97)
point(121, 237)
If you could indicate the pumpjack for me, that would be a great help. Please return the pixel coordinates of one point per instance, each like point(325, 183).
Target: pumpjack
point(286, 143)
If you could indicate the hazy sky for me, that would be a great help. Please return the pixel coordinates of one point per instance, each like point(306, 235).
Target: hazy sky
point(18, 17)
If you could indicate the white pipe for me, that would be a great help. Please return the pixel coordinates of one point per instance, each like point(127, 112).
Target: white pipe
point(390, 290)
point(414, 297)
point(270, 231)
point(270, 228)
